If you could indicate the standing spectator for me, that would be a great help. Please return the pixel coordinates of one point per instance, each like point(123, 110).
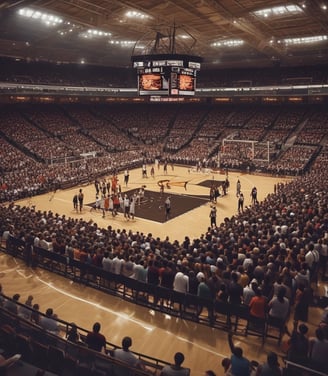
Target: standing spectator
point(257, 305)
point(204, 292)
point(176, 369)
point(153, 273)
point(249, 292)
point(312, 259)
point(235, 290)
point(240, 366)
point(95, 340)
point(181, 282)
point(107, 262)
point(303, 297)
point(279, 308)
point(141, 271)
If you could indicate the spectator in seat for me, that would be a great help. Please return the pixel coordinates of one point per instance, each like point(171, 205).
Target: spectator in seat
point(48, 322)
point(176, 369)
point(35, 315)
point(319, 350)
point(11, 306)
point(126, 356)
point(95, 340)
point(25, 312)
point(270, 367)
point(73, 335)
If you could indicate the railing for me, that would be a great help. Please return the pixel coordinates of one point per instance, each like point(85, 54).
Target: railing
point(297, 369)
point(19, 334)
point(272, 90)
point(185, 306)
point(218, 314)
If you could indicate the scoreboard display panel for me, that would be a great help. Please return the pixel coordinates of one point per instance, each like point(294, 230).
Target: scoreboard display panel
point(152, 81)
point(185, 82)
point(169, 75)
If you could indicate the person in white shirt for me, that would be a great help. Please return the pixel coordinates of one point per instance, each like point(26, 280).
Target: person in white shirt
point(126, 356)
point(181, 282)
point(132, 207)
point(176, 369)
point(126, 204)
point(118, 264)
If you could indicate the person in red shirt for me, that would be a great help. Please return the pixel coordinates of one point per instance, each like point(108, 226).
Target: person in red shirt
point(95, 340)
point(258, 305)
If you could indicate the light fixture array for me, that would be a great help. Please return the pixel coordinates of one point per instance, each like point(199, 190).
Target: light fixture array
point(304, 40)
point(46, 18)
point(228, 43)
point(277, 11)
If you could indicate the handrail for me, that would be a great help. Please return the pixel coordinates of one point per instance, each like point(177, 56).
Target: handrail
point(140, 288)
point(18, 320)
point(304, 368)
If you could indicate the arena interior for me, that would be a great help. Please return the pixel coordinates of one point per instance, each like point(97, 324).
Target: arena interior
point(163, 174)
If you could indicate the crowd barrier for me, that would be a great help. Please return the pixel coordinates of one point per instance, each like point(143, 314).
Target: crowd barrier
point(218, 314)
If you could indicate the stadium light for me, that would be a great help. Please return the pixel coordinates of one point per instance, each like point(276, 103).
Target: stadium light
point(278, 11)
point(46, 18)
point(137, 15)
point(228, 43)
point(304, 40)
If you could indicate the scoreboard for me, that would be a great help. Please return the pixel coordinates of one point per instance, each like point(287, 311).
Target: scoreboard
point(171, 75)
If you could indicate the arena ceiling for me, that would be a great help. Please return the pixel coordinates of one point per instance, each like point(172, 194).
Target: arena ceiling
point(225, 33)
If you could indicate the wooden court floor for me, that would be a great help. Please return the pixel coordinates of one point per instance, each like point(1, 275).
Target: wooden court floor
point(192, 223)
point(153, 333)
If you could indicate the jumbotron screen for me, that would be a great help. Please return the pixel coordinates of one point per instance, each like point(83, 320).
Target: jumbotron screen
point(166, 75)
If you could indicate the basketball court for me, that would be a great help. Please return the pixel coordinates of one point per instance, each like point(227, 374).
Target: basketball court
point(153, 333)
point(189, 191)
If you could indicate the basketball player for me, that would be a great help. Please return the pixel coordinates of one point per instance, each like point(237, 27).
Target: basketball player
point(81, 198)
